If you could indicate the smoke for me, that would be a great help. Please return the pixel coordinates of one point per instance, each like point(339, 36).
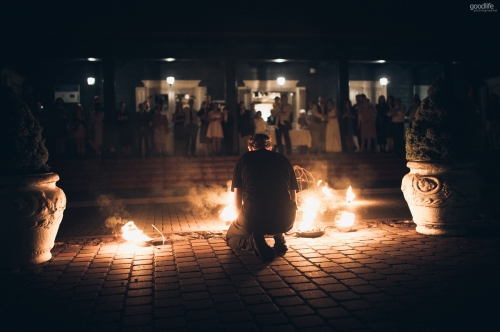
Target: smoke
point(334, 174)
point(115, 213)
point(207, 201)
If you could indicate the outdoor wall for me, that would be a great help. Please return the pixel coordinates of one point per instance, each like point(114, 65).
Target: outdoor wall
point(322, 82)
point(402, 76)
point(49, 73)
point(129, 74)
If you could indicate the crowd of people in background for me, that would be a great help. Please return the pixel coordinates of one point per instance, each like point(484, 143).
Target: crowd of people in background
point(364, 127)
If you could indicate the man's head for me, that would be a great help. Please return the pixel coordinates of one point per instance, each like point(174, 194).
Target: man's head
point(321, 100)
point(146, 105)
point(191, 103)
point(284, 99)
point(259, 141)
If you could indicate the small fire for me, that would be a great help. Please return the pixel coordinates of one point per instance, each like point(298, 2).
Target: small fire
point(345, 220)
point(349, 195)
point(229, 213)
point(326, 191)
point(310, 209)
point(131, 233)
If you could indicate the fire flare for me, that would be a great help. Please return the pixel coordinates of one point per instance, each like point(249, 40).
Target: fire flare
point(349, 196)
point(309, 211)
point(344, 220)
point(131, 233)
point(229, 213)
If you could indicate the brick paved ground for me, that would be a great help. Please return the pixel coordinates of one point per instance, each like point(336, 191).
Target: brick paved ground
point(379, 278)
point(181, 216)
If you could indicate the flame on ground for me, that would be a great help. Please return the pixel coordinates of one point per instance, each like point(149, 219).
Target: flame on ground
point(326, 191)
point(309, 211)
point(229, 213)
point(349, 196)
point(131, 233)
point(345, 219)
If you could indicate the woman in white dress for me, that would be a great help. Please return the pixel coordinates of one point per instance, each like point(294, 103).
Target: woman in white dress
point(214, 131)
point(260, 124)
point(333, 143)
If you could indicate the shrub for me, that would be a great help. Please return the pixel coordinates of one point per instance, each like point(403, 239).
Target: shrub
point(23, 148)
point(438, 131)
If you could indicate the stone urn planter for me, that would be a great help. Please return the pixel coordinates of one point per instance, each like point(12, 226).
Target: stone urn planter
point(32, 208)
point(442, 196)
point(442, 188)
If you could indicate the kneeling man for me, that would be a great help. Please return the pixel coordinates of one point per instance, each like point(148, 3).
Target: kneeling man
point(264, 186)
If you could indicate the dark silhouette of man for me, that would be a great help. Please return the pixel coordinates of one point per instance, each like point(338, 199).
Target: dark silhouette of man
point(227, 122)
point(191, 124)
point(264, 186)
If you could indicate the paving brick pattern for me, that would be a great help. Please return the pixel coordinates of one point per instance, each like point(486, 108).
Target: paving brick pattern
point(168, 218)
point(376, 279)
point(185, 217)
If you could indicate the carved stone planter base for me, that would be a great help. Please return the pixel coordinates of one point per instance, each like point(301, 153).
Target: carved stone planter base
point(442, 196)
point(32, 209)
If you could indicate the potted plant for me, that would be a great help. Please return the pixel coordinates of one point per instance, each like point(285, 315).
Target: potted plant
point(442, 189)
point(32, 205)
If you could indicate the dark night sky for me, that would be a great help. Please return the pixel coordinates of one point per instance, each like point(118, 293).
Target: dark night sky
point(445, 26)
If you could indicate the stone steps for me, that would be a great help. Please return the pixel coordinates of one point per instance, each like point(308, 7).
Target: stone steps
point(339, 170)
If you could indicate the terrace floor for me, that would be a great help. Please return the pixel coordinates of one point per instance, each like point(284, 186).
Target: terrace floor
point(382, 276)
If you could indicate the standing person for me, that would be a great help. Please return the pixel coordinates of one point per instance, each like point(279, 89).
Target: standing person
point(320, 112)
point(125, 138)
point(96, 119)
point(347, 125)
point(412, 110)
point(398, 125)
point(214, 131)
point(265, 187)
point(141, 123)
point(227, 123)
point(381, 124)
point(366, 122)
point(281, 111)
point(332, 143)
point(360, 100)
point(203, 116)
point(302, 120)
point(253, 112)
point(313, 125)
point(178, 118)
point(60, 128)
point(79, 130)
point(191, 122)
point(160, 125)
point(208, 101)
point(245, 125)
point(150, 132)
point(388, 125)
point(259, 123)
